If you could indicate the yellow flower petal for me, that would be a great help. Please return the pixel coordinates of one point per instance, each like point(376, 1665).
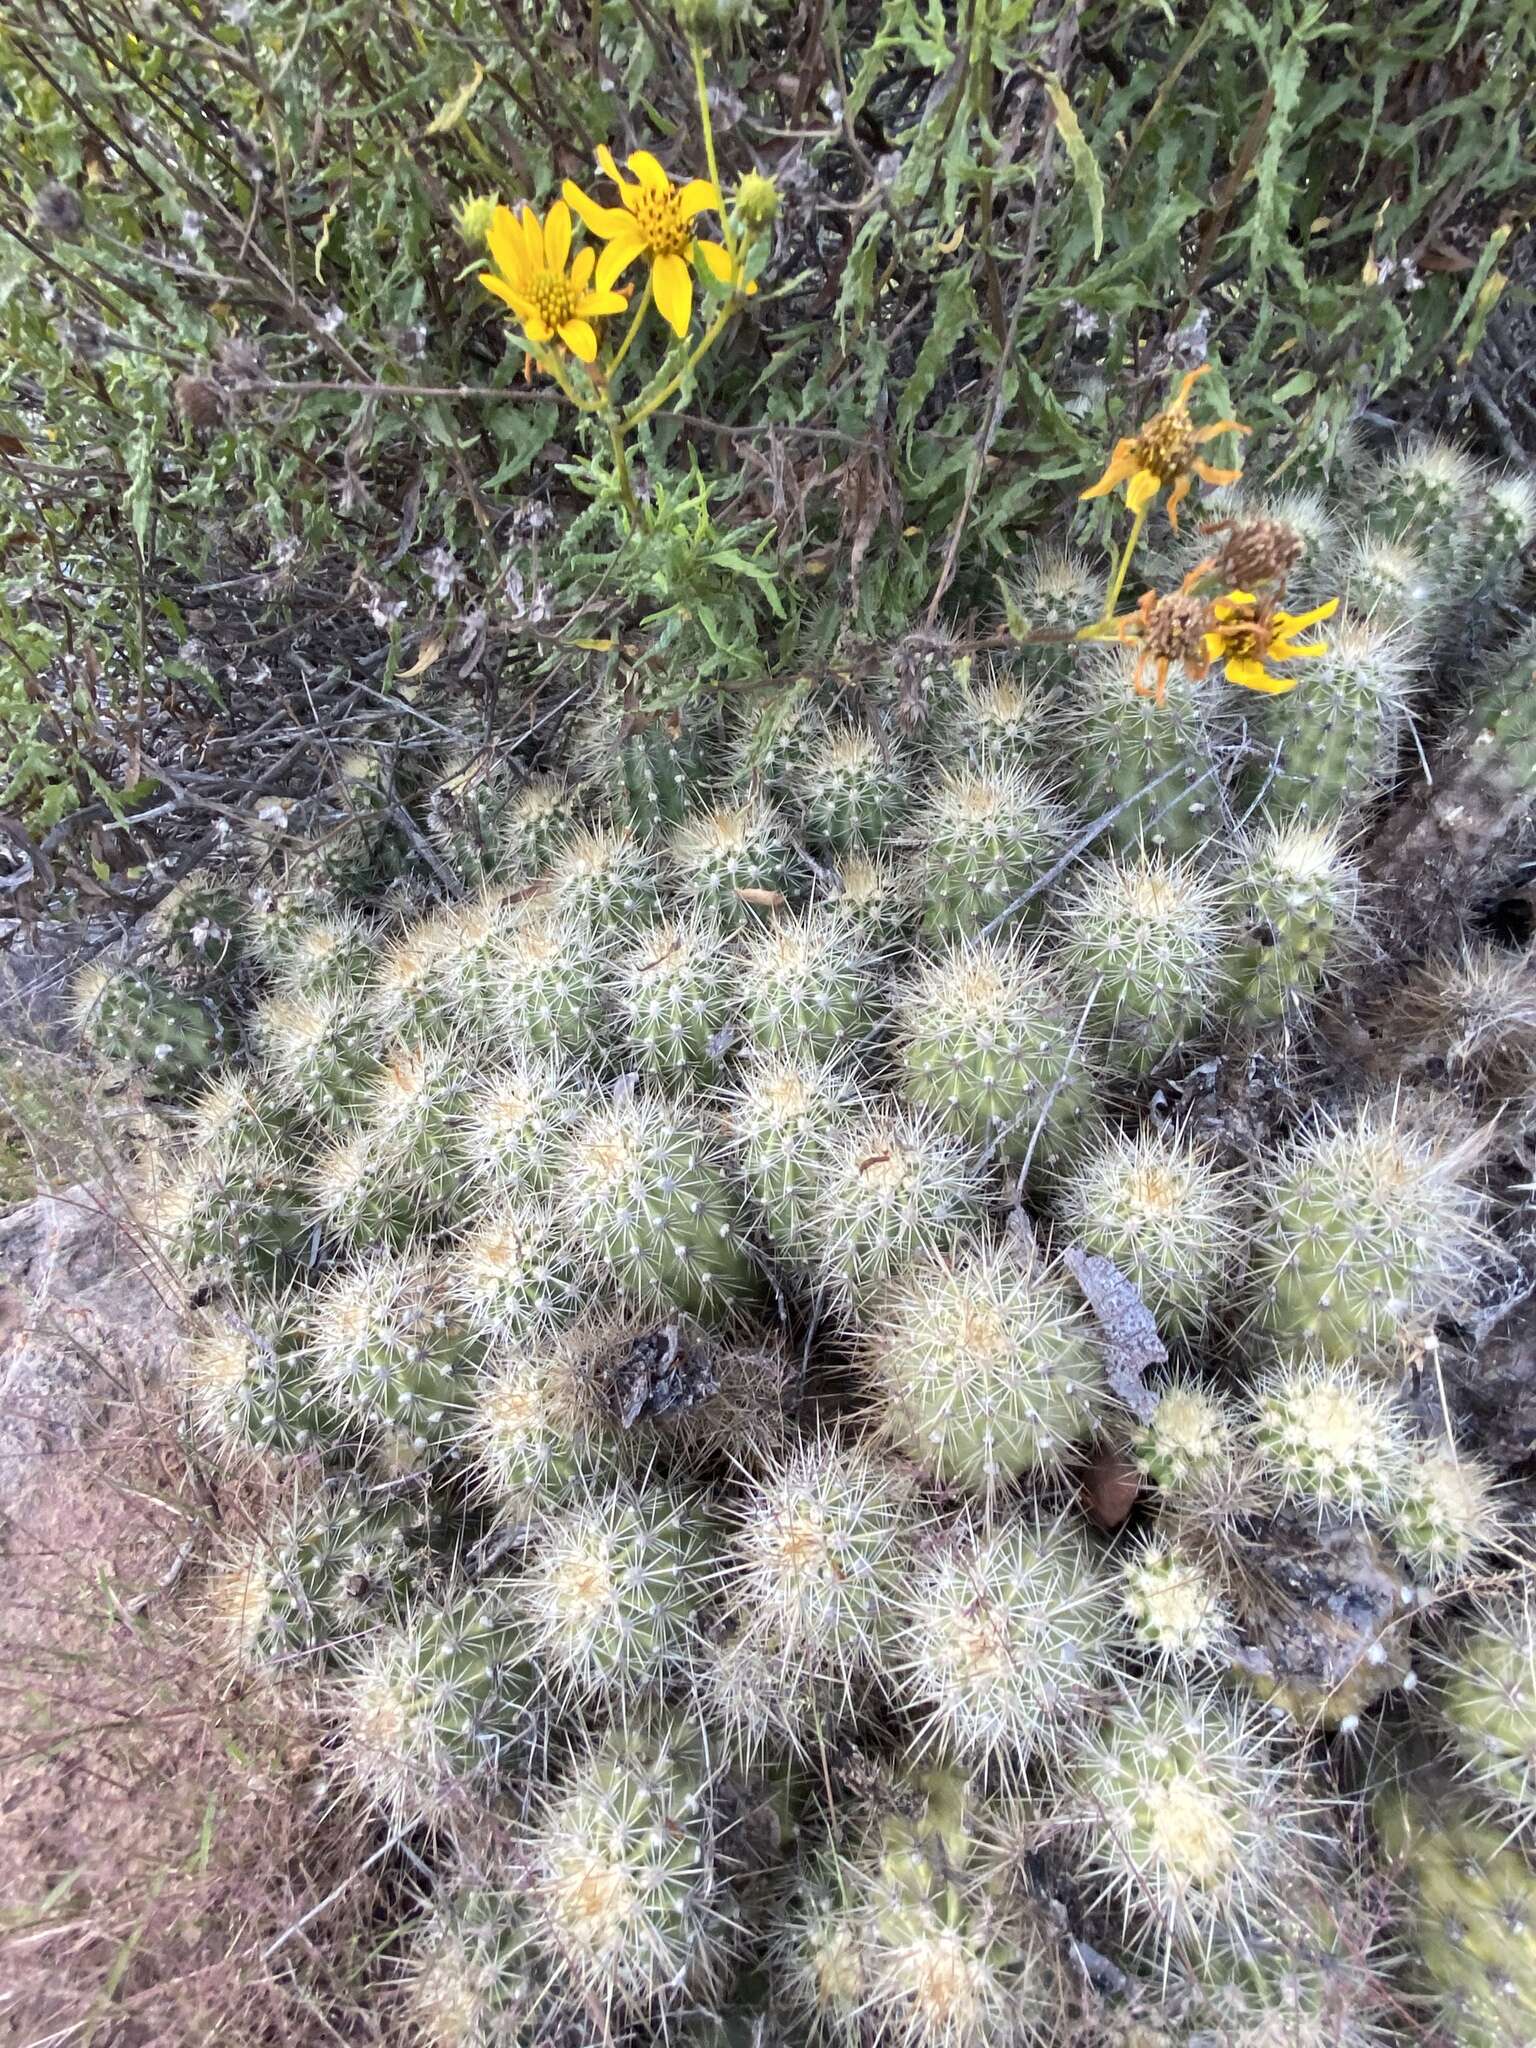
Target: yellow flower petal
point(1253, 675)
point(1296, 622)
point(537, 329)
point(649, 171)
point(500, 287)
point(583, 267)
point(618, 256)
point(1142, 489)
point(606, 163)
point(602, 220)
point(594, 305)
point(697, 197)
point(580, 339)
point(715, 260)
point(1286, 649)
point(1119, 467)
point(533, 240)
point(557, 236)
point(505, 242)
point(673, 286)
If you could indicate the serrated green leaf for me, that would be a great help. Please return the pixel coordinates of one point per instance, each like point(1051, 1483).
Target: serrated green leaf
point(953, 313)
point(1085, 165)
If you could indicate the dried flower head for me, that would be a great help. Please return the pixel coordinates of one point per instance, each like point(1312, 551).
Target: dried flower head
point(1164, 455)
point(1169, 631)
point(1255, 552)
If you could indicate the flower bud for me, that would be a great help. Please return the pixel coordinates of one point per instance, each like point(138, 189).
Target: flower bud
point(472, 218)
point(705, 21)
point(757, 202)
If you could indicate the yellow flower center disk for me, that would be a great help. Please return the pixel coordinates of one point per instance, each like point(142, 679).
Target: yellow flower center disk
point(1166, 445)
point(555, 297)
point(659, 218)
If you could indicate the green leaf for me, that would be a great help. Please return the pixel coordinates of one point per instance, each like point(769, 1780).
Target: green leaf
point(953, 313)
point(452, 112)
point(1085, 165)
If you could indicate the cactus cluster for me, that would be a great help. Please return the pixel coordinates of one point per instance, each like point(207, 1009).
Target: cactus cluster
point(843, 1424)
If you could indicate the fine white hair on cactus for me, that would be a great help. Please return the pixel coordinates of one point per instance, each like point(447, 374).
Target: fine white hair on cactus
point(822, 1541)
point(535, 1430)
point(853, 791)
point(390, 1354)
point(1297, 895)
point(439, 1712)
point(1003, 1636)
point(407, 996)
point(673, 997)
point(1188, 1815)
point(1364, 1223)
point(733, 865)
point(873, 899)
point(606, 882)
point(981, 838)
point(615, 1589)
point(328, 955)
point(1328, 1436)
point(321, 1051)
point(1174, 1601)
point(475, 1977)
point(627, 1888)
point(782, 1116)
point(1145, 940)
point(643, 1189)
point(1486, 1693)
point(514, 1275)
point(1001, 720)
point(990, 1045)
point(516, 1118)
point(1445, 1516)
point(984, 1369)
point(1157, 1205)
point(547, 987)
point(807, 991)
point(1191, 1447)
point(896, 1189)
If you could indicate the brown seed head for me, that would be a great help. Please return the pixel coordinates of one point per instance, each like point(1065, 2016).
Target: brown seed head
point(1255, 552)
point(1173, 627)
point(200, 402)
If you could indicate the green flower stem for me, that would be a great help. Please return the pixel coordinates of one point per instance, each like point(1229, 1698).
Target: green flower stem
point(1122, 567)
point(726, 230)
point(551, 367)
point(711, 335)
point(633, 330)
point(616, 432)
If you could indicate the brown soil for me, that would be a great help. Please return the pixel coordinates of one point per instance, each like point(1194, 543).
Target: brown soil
point(161, 1831)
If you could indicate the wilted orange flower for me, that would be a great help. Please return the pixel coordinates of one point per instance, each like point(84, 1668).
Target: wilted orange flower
point(1245, 634)
point(1163, 455)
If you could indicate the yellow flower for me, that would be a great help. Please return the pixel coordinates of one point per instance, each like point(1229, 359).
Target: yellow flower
point(550, 299)
point(1246, 634)
point(654, 219)
point(1163, 454)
